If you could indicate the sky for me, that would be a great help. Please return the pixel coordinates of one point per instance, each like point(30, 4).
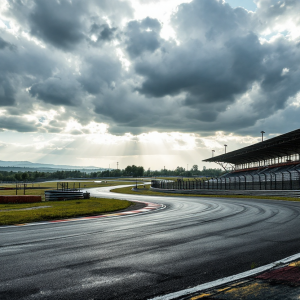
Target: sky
point(155, 83)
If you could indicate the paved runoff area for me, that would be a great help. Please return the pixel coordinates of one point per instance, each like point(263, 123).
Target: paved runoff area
point(278, 284)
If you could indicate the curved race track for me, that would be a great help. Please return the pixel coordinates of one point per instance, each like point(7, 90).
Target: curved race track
point(192, 241)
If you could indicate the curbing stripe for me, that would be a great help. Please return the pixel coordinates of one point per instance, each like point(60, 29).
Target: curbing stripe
point(226, 280)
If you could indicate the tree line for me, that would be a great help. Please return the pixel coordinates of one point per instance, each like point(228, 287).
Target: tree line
point(129, 171)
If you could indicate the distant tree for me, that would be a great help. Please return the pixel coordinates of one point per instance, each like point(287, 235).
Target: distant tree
point(134, 171)
point(18, 176)
point(24, 176)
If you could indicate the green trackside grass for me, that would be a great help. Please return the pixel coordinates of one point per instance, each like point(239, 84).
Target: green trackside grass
point(83, 184)
point(53, 185)
point(15, 213)
point(147, 191)
point(184, 178)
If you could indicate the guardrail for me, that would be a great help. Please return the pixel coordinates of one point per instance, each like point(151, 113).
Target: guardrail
point(245, 182)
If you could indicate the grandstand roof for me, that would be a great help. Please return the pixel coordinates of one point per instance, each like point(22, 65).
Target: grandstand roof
point(283, 145)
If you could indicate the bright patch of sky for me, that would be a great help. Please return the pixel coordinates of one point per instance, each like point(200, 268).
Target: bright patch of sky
point(247, 4)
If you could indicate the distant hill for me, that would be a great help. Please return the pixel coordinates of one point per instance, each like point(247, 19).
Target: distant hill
point(52, 167)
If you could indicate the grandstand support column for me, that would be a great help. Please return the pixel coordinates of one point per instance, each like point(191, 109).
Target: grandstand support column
point(217, 183)
point(275, 188)
point(298, 178)
point(239, 182)
point(259, 181)
point(245, 182)
point(291, 181)
point(271, 181)
point(265, 181)
point(252, 181)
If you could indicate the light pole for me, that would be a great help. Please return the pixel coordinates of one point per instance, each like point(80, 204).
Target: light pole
point(262, 135)
point(212, 153)
point(225, 148)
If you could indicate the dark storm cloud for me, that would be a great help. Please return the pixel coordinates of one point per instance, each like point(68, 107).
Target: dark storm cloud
point(217, 74)
point(4, 44)
point(213, 76)
point(57, 91)
point(58, 22)
point(210, 20)
point(17, 124)
point(143, 36)
point(99, 72)
point(19, 67)
point(219, 58)
point(7, 92)
point(66, 23)
point(103, 32)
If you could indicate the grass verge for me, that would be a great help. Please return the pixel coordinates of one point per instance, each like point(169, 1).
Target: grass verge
point(53, 185)
point(148, 192)
point(16, 213)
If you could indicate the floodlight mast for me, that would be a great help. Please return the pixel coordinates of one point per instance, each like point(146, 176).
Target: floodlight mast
point(262, 135)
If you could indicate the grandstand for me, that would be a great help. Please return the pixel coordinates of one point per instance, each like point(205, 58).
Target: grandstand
point(273, 164)
point(270, 164)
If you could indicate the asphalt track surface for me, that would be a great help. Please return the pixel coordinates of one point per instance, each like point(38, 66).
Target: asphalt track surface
point(192, 241)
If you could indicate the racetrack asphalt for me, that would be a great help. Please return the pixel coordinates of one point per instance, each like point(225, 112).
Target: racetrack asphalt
point(192, 241)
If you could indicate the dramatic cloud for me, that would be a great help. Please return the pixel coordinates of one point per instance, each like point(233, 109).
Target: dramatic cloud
point(58, 91)
point(200, 68)
point(143, 37)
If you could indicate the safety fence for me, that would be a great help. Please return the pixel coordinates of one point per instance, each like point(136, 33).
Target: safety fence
point(270, 181)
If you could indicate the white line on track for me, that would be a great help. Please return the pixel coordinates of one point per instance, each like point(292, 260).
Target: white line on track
point(226, 280)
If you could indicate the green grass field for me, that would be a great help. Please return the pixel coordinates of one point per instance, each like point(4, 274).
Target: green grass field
point(14, 213)
point(53, 185)
point(51, 210)
point(148, 192)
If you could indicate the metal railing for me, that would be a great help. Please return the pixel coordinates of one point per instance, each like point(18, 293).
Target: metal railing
point(287, 180)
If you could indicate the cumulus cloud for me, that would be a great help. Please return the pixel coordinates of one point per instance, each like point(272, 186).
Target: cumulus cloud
point(17, 124)
point(58, 91)
point(143, 36)
point(225, 68)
